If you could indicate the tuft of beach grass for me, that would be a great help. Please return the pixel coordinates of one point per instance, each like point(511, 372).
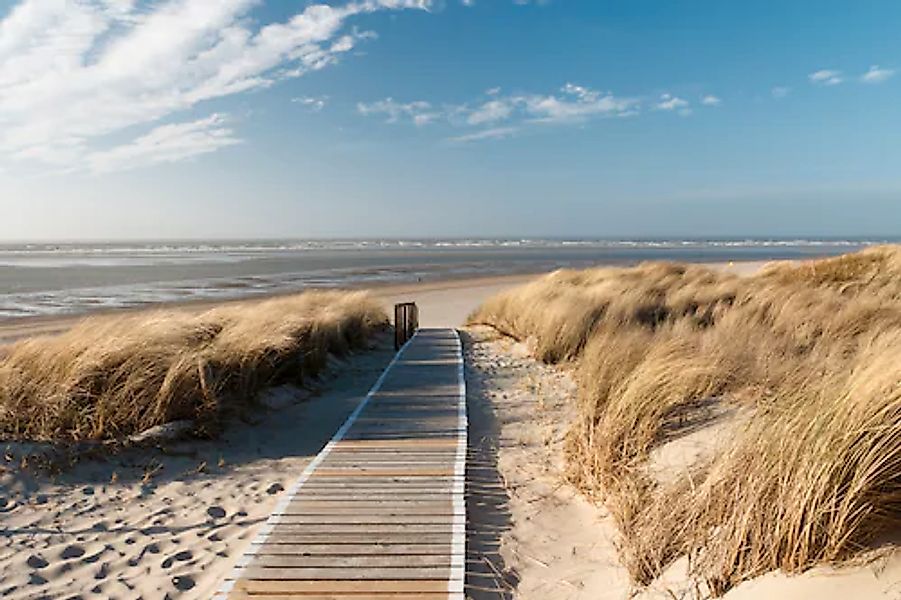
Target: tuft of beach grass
point(110, 377)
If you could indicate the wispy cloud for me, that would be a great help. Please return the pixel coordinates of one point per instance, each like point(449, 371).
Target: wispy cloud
point(166, 143)
point(877, 74)
point(576, 104)
point(711, 100)
point(72, 73)
point(491, 112)
point(668, 102)
point(826, 77)
point(493, 133)
point(504, 114)
point(779, 92)
point(419, 112)
point(312, 103)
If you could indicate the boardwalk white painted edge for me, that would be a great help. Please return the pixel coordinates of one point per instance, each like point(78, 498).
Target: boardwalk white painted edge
point(291, 492)
point(457, 578)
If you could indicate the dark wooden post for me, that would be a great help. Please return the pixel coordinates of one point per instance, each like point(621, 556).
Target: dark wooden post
point(406, 322)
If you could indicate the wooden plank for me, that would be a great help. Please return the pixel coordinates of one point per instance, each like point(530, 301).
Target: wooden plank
point(353, 549)
point(399, 443)
point(390, 561)
point(398, 480)
point(306, 511)
point(352, 472)
point(365, 520)
point(360, 529)
point(377, 494)
point(340, 586)
point(425, 463)
point(367, 509)
point(242, 595)
point(307, 503)
point(361, 537)
point(254, 572)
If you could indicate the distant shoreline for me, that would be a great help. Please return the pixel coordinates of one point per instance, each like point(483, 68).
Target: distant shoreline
point(460, 288)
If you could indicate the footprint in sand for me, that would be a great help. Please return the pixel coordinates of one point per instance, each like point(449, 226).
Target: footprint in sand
point(148, 549)
point(94, 557)
point(36, 561)
point(180, 556)
point(183, 583)
point(216, 512)
point(72, 552)
point(35, 579)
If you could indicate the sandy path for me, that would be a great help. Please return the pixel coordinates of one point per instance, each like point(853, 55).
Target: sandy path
point(155, 524)
point(532, 536)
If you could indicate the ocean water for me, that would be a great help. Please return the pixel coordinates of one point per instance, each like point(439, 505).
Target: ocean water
point(70, 278)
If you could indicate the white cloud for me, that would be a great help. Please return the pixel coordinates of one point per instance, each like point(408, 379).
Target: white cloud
point(490, 112)
point(780, 92)
point(574, 104)
point(669, 102)
point(419, 112)
point(73, 72)
point(494, 133)
point(166, 143)
point(877, 74)
point(313, 103)
point(505, 114)
point(577, 104)
point(826, 77)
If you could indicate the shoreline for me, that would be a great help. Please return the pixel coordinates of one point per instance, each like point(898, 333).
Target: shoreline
point(15, 329)
point(475, 289)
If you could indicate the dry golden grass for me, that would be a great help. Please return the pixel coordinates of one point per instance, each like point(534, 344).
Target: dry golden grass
point(812, 350)
point(114, 376)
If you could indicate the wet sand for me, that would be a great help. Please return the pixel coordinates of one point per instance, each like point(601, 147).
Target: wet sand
point(442, 303)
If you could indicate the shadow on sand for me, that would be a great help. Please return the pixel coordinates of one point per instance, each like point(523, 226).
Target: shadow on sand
point(488, 514)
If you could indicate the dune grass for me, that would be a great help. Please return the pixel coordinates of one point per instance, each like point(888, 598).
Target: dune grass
point(812, 351)
point(110, 377)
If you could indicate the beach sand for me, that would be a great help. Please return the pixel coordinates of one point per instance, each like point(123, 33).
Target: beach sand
point(171, 521)
point(167, 521)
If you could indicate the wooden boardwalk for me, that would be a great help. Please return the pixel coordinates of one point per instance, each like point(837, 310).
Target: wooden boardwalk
point(379, 513)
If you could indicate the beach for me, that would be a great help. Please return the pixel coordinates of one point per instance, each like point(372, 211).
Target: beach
point(171, 518)
point(443, 302)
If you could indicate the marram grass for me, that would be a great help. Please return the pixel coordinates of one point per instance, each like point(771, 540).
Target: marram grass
point(110, 377)
point(812, 352)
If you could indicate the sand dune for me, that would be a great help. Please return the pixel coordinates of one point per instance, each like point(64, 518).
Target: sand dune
point(798, 363)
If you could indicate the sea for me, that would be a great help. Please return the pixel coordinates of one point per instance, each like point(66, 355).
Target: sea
point(45, 279)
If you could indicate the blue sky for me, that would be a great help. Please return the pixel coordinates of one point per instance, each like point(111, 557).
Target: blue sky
point(240, 118)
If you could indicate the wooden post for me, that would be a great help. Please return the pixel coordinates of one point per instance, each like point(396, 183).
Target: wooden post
point(406, 322)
